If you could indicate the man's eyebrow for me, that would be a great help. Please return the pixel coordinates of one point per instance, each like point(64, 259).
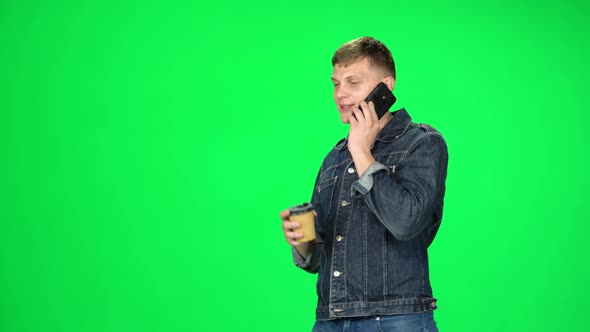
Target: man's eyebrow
point(348, 77)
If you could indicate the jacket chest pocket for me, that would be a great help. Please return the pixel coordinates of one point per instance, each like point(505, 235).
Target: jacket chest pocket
point(326, 190)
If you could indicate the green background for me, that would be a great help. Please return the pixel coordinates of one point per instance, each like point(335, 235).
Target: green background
point(147, 148)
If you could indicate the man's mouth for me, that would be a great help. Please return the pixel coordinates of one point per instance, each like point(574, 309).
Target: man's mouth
point(346, 107)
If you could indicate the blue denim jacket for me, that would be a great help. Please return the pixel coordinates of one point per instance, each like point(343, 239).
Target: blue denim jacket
point(373, 232)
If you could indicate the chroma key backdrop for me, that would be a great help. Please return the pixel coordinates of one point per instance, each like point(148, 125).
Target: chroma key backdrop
point(147, 148)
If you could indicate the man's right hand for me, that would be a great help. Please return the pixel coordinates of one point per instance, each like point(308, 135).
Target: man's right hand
point(291, 236)
point(289, 229)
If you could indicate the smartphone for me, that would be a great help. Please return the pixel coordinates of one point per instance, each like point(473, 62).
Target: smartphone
point(382, 97)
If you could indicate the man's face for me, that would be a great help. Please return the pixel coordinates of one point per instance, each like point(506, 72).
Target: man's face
point(352, 84)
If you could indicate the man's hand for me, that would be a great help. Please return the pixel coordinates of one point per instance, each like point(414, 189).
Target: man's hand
point(364, 127)
point(288, 228)
point(291, 236)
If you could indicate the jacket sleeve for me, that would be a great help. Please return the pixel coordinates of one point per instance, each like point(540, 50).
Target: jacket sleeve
point(404, 198)
point(311, 264)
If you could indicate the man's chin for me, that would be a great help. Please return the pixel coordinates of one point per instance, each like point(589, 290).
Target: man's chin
point(345, 118)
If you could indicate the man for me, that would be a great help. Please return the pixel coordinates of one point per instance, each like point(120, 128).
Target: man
point(378, 199)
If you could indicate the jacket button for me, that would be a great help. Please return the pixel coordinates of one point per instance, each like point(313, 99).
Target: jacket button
point(344, 203)
point(351, 170)
point(337, 273)
point(339, 238)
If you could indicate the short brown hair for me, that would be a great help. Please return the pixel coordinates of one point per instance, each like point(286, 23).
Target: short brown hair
point(375, 51)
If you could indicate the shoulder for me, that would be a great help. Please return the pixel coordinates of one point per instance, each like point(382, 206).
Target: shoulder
point(428, 129)
point(422, 129)
point(425, 134)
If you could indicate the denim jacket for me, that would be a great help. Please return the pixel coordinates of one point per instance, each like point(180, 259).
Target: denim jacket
point(372, 232)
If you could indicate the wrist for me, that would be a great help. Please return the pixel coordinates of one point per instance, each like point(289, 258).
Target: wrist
point(362, 161)
point(359, 151)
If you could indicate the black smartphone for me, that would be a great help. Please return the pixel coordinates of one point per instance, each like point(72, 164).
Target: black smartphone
point(382, 97)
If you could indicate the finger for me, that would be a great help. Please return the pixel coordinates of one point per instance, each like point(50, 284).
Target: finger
point(293, 241)
point(293, 235)
point(358, 114)
point(373, 112)
point(364, 107)
point(315, 214)
point(369, 112)
point(287, 226)
point(285, 214)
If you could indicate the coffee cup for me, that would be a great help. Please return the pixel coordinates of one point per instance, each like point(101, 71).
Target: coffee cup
point(303, 214)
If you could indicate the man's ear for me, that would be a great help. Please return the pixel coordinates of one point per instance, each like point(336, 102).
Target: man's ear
point(389, 81)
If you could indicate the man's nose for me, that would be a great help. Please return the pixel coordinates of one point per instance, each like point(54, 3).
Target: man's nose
point(342, 93)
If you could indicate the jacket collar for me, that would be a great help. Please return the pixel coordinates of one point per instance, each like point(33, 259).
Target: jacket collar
point(394, 129)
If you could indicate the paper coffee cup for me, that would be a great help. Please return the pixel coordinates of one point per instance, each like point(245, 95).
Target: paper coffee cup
point(303, 214)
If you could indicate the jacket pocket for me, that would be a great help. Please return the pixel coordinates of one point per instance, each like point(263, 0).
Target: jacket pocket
point(325, 190)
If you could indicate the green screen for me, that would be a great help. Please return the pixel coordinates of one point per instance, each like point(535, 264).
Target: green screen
point(147, 148)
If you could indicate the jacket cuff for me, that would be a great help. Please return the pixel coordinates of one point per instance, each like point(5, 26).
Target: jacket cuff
point(364, 184)
point(299, 260)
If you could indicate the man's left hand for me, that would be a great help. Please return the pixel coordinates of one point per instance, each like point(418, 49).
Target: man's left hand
point(364, 127)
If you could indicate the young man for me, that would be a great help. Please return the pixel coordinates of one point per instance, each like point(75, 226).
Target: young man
point(378, 199)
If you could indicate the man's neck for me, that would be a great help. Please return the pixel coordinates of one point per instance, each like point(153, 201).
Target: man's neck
point(386, 118)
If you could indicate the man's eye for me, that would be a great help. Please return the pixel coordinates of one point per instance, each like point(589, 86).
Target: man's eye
point(354, 83)
point(336, 84)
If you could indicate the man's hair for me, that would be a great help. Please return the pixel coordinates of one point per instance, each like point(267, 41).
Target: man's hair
point(365, 47)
